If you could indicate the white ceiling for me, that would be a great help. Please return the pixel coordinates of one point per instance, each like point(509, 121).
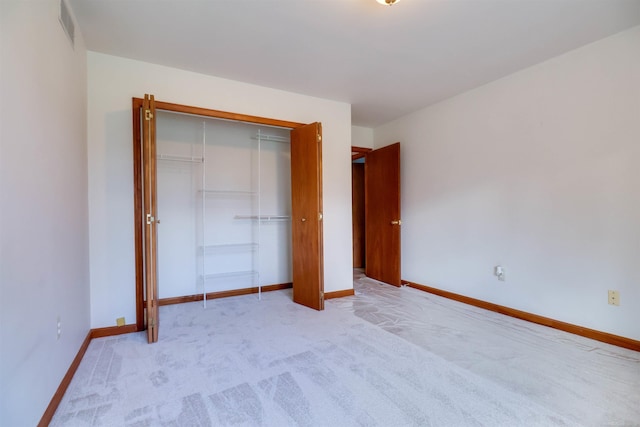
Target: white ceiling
point(385, 61)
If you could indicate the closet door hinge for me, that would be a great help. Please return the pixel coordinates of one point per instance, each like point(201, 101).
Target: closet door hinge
point(152, 322)
point(150, 219)
point(321, 295)
point(319, 216)
point(148, 115)
point(319, 137)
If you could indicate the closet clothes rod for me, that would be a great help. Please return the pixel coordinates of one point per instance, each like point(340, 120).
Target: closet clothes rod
point(172, 158)
point(264, 217)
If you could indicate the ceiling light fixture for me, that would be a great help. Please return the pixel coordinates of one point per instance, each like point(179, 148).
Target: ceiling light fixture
point(388, 2)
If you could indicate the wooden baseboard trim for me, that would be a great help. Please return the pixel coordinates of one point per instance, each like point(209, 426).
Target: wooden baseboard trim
point(119, 330)
point(534, 318)
point(223, 294)
point(113, 330)
point(277, 287)
point(66, 380)
point(339, 294)
point(64, 384)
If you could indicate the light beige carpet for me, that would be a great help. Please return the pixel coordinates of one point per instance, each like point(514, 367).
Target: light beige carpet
point(385, 357)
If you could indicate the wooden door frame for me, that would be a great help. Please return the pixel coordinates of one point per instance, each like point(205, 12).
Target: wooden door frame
point(359, 152)
point(136, 107)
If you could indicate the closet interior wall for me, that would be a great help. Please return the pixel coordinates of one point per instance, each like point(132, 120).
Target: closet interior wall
point(224, 205)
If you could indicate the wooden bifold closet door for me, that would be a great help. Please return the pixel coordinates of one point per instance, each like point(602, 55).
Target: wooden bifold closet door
point(306, 216)
point(150, 204)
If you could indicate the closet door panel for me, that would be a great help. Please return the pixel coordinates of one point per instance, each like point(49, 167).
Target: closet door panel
point(306, 216)
point(150, 209)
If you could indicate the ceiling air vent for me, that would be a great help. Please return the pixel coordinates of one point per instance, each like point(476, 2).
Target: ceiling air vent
point(67, 21)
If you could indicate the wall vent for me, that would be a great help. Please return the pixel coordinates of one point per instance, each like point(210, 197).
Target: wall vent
point(67, 22)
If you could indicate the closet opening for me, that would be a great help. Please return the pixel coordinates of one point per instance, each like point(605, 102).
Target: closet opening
point(225, 204)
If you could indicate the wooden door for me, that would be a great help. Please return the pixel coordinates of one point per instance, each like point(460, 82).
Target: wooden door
point(306, 216)
point(150, 207)
point(382, 214)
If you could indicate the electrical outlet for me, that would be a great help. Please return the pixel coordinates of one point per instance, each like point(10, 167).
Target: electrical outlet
point(120, 321)
point(614, 298)
point(59, 325)
point(498, 270)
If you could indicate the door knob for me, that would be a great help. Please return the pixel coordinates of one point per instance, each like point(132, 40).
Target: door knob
point(304, 219)
point(396, 222)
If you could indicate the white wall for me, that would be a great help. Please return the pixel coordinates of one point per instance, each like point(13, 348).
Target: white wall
point(361, 137)
point(44, 245)
point(538, 172)
point(113, 81)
